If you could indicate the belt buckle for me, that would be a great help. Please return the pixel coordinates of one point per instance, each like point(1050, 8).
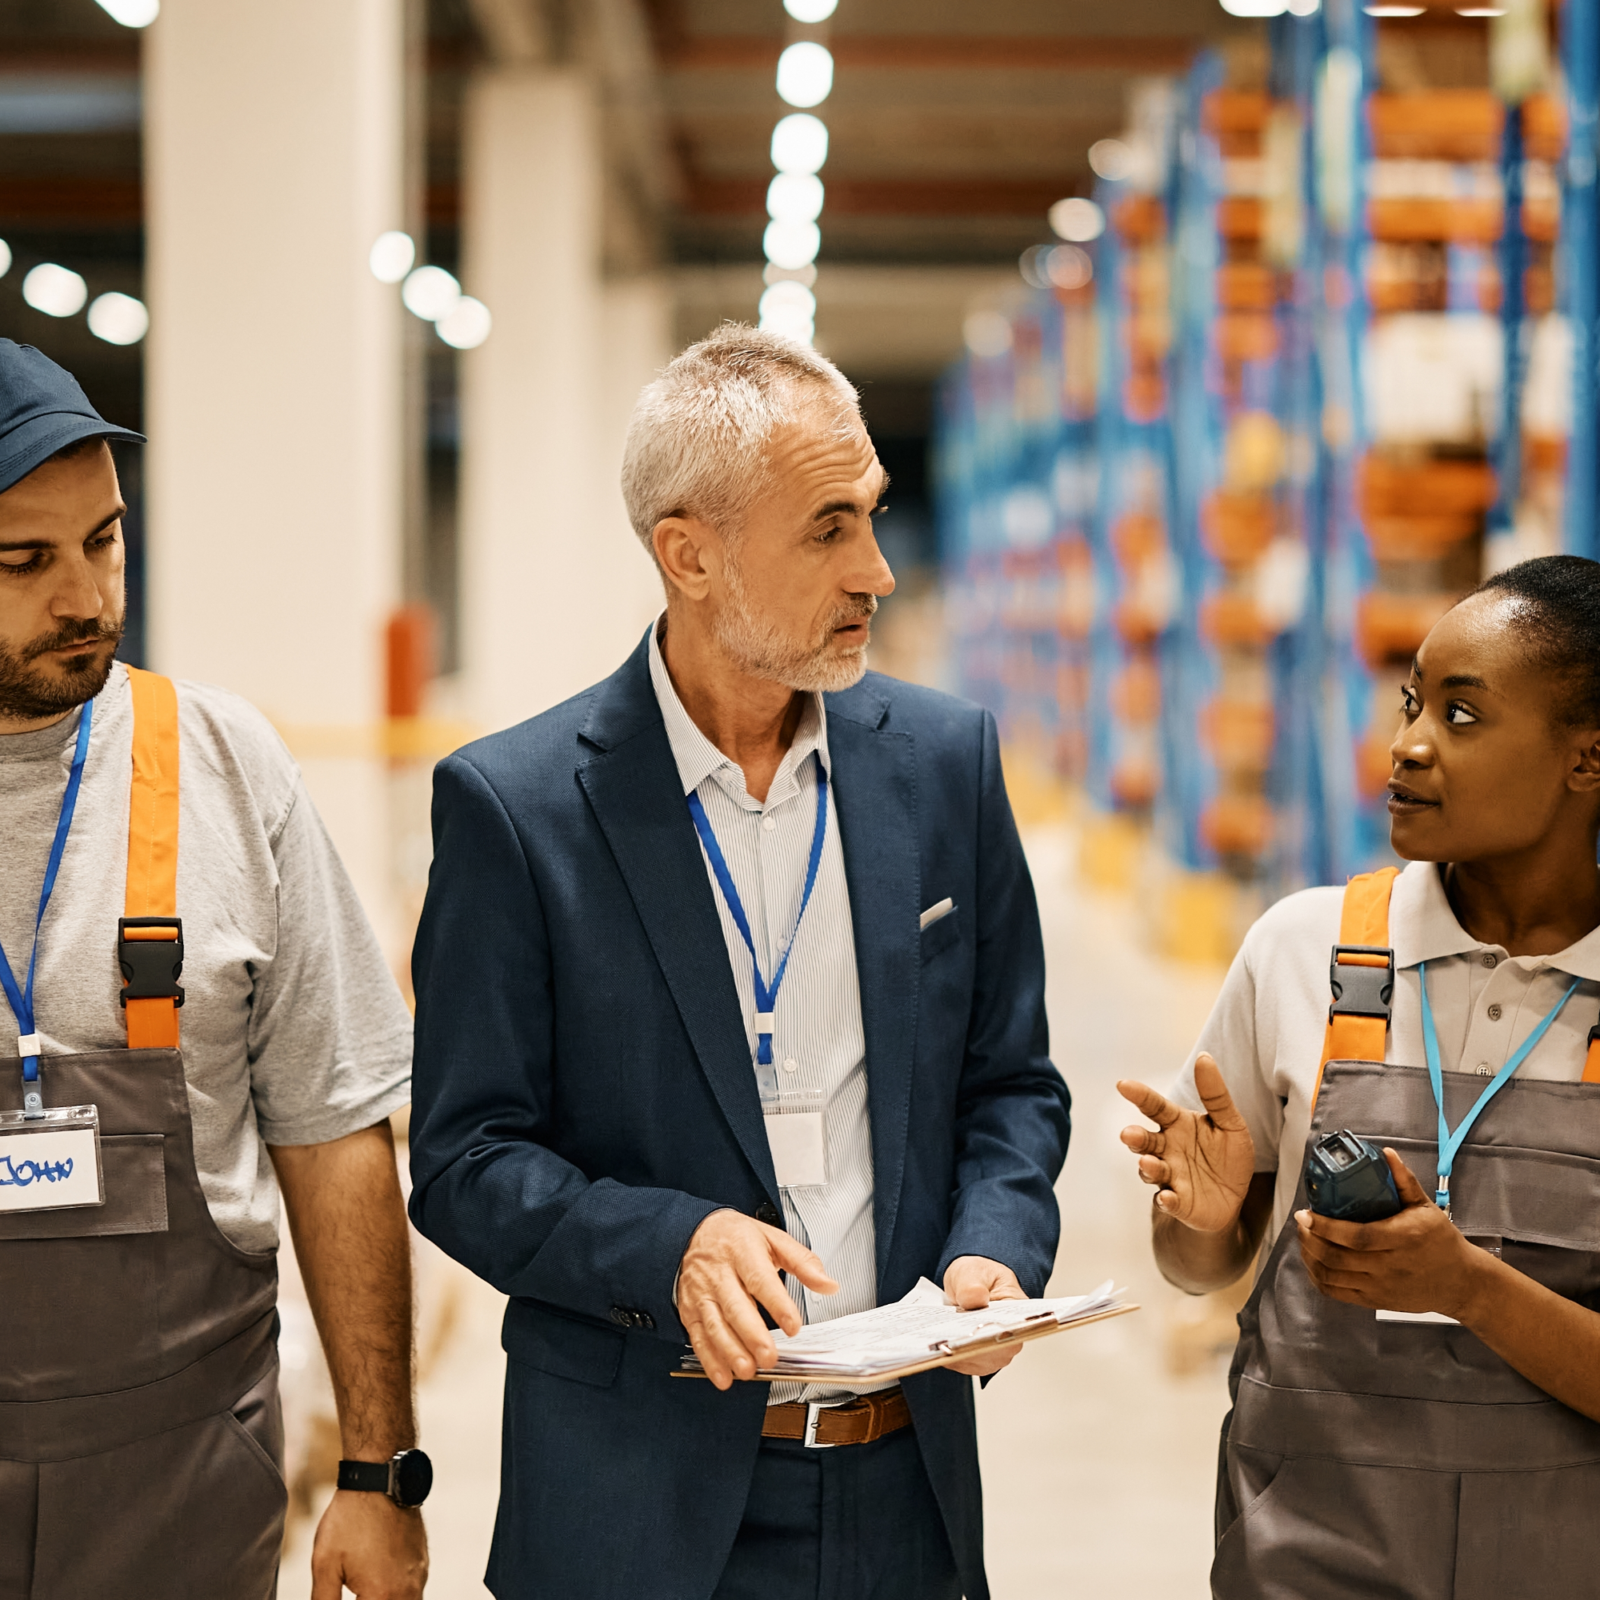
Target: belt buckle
point(814, 1410)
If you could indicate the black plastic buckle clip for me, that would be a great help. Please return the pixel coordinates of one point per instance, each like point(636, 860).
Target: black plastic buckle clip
point(151, 967)
point(1360, 990)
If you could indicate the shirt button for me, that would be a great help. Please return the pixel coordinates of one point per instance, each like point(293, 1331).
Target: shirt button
point(769, 823)
point(791, 1065)
point(1489, 959)
point(1494, 1013)
point(1485, 1070)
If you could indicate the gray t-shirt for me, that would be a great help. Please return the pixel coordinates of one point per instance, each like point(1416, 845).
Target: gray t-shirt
point(292, 1029)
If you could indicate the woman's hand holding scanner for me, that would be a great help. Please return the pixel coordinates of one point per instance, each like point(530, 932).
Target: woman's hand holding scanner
point(1212, 1205)
point(728, 1274)
point(1416, 1260)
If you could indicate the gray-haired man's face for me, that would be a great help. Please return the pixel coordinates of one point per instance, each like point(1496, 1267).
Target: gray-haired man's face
point(799, 584)
point(61, 587)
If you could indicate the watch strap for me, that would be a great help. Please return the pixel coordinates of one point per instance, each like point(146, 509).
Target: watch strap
point(371, 1477)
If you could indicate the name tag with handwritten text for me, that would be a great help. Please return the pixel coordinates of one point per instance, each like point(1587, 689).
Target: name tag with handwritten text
point(50, 1162)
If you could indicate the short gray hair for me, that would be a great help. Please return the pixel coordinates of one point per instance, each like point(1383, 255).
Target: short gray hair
point(697, 444)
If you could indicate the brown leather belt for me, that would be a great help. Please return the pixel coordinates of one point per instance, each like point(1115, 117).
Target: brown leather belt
point(860, 1421)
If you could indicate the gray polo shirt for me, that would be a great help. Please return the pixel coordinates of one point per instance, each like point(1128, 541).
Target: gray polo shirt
point(292, 1029)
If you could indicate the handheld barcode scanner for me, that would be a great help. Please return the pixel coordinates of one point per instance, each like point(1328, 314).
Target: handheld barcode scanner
point(1347, 1178)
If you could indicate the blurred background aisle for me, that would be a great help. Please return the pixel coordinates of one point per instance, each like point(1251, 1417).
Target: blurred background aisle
point(1099, 1446)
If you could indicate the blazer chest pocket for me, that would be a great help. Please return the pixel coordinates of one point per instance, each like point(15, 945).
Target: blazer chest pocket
point(563, 1345)
point(134, 1168)
point(942, 935)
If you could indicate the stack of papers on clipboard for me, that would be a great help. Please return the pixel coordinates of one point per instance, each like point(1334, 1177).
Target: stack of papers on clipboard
point(920, 1332)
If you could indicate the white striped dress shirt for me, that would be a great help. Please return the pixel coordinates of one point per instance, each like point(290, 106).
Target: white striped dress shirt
point(818, 1044)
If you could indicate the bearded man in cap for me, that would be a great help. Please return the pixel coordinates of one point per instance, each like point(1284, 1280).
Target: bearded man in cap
point(157, 832)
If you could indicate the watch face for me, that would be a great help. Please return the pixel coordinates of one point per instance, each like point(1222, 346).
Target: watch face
point(413, 1477)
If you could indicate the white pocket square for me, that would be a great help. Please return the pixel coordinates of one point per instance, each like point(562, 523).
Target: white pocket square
point(935, 912)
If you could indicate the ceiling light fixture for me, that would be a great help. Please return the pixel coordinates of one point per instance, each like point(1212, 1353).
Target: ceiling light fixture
point(811, 10)
point(794, 197)
point(5, 258)
point(1077, 220)
point(987, 333)
point(800, 143)
point(430, 293)
point(1110, 159)
point(1394, 11)
point(805, 74)
point(466, 325)
point(57, 291)
point(392, 256)
point(131, 13)
point(1255, 8)
point(119, 319)
point(792, 244)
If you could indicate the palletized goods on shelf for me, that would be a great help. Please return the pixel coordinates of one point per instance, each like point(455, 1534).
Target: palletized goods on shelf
point(1337, 329)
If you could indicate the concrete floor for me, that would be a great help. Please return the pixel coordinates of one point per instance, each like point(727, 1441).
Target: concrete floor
point(1098, 1463)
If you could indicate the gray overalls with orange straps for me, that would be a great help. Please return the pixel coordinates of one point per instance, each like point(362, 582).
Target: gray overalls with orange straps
point(140, 1432)
point(1403, 1460)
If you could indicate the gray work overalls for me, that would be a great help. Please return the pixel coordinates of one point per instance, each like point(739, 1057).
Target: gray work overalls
point(1404, 1460)
point(140, 1431)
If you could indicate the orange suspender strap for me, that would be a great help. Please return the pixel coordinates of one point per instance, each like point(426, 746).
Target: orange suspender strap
point(1591, 1062)
point(1361, 974)
point(150, 935)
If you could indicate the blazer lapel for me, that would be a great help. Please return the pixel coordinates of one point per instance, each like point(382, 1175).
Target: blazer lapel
point(633, 787)
point(874, 789)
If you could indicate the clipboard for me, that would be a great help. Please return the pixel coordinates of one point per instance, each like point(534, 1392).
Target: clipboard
point(979, 1347)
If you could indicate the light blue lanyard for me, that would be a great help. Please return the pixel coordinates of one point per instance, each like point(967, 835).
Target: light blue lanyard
point(1450, 1143)
point(22, 999)
point(766, 994)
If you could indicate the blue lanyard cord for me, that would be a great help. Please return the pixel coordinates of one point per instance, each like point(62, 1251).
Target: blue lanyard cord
point(21, 1000)
point(766, 994)
point(1450, 1143)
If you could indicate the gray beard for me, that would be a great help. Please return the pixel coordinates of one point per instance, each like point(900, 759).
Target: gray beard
point(764, 652)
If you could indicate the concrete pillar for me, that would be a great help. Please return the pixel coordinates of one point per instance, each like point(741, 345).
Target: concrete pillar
point(546, 564)
point(274, 154)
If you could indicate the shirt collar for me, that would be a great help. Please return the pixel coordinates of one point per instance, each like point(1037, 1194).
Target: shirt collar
point(698, 759)
point(1422, 927)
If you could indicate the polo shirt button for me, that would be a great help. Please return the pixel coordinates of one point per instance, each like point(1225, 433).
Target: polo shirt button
point(1494, 1013)
point(791, 1065)
point(769, 823)
point(1489, 959)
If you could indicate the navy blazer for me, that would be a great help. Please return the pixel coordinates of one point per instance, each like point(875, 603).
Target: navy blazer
point(583, 1098)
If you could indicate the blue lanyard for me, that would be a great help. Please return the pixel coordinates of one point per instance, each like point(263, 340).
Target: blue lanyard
point(22, 999)
point(766, 994)
point(1450, 1143)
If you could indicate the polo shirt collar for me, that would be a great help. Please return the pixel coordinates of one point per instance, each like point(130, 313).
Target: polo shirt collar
point(1422, 927)
point(698, 759)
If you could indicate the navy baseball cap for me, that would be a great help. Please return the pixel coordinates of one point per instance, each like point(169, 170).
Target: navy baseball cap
point(42, 410)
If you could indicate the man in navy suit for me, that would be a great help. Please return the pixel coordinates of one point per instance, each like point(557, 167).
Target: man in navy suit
point(730, 1013)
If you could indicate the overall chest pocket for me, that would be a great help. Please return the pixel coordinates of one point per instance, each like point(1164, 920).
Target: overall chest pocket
point(134, 1168)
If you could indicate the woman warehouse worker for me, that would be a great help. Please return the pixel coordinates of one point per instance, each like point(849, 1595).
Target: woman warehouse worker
point(1416, 1400)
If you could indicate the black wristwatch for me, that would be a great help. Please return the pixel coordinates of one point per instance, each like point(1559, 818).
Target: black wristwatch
point(406, 1477)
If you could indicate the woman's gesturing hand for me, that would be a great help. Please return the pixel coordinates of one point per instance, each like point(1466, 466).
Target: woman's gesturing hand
point(1200, 1164)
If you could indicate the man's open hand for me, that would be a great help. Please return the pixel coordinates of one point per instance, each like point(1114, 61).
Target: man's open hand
point(972, 1282)
point(365, 1543)
point(728, 1273)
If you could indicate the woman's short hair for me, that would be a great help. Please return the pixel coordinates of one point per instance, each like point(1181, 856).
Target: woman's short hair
point(1558, 606)
point(697, 444)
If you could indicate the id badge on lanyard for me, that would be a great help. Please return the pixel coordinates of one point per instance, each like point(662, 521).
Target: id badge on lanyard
point(797, 1137)
point(795, 1123)
point(49, 1157)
